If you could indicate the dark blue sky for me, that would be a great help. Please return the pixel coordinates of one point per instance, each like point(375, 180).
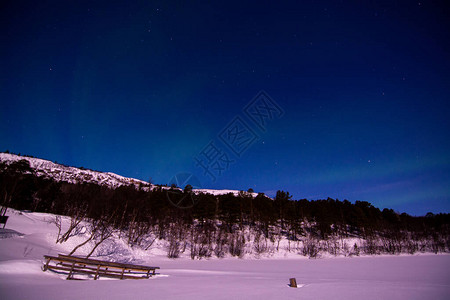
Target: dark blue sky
point(140, 88)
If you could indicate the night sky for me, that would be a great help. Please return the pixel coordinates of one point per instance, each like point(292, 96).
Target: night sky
point(349, 100)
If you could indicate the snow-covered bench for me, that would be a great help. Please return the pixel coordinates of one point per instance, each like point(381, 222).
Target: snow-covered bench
point(78, 265)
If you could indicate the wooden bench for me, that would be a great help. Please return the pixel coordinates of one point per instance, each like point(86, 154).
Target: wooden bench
point(79, 265)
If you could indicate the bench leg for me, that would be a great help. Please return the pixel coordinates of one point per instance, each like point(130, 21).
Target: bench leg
point(96, 272)
point(45, 267)
point(71, 272)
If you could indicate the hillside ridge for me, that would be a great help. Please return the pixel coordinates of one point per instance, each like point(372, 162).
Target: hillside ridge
point(60, 172)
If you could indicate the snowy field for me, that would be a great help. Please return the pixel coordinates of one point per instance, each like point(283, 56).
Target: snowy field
point(29, 236)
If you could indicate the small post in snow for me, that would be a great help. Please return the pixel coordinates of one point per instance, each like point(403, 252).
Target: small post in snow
point(293, 282)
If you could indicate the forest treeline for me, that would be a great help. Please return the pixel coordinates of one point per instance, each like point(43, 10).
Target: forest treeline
point(206, 225)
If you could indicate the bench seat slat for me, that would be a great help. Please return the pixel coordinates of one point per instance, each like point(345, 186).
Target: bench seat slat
point(109, 270)
point(100, 274)
point(90, 260)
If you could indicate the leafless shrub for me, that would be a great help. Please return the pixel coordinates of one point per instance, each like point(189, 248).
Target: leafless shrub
point(236, 244)
point(310, 247)
point(355, 250)
point(260, 244)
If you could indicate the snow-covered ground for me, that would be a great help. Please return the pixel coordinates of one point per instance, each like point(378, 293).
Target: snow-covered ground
point(29, 236)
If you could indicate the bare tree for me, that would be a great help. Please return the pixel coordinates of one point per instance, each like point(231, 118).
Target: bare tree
point(77, 215)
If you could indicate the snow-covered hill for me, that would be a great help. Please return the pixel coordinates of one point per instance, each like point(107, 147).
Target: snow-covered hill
point(60, 172)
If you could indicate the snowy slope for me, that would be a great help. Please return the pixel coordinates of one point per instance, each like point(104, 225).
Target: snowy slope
point(382, 277)
point(76, 175)
point(71, 174)
point(220, 192)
